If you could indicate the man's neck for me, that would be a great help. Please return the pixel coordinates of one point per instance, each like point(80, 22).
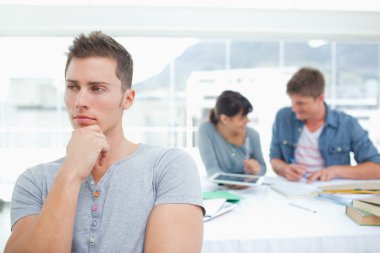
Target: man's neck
point(120, 148)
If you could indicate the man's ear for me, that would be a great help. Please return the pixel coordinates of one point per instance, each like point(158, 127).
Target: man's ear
point(321, 98)
point(128, 98)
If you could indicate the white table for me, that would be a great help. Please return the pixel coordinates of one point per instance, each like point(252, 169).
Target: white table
point(265, 222)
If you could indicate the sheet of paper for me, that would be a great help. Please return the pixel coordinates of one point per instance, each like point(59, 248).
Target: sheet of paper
point(212, 206)
point(294, 190)
point(216, 208)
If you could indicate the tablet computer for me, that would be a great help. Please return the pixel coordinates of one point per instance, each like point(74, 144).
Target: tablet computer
point(236, 179)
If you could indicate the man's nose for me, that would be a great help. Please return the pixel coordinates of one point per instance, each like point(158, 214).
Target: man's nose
point(81, 99)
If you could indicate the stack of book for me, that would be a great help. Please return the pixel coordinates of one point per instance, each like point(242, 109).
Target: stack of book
point(365, 211)
point(362, 201)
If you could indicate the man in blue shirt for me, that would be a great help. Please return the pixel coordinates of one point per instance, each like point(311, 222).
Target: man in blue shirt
point(311, 140)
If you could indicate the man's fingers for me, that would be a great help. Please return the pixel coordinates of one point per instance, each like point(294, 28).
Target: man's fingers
point(325, 176)
point(93, 128)
point(297, 168)
point(295, 172)
point(314, 176)
point(293, 175)
point(103, 152)
point(330, 177)
point(300, 170)
point(101, 158)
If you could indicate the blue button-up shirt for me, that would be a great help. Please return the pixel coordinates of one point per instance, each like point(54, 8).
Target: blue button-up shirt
point(341, 134)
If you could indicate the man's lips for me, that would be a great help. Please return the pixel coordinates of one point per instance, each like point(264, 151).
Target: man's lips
point(83, 119)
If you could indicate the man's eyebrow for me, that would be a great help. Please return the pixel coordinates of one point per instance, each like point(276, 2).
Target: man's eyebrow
point(89, 83)
point(98, 82)
point(71, 81)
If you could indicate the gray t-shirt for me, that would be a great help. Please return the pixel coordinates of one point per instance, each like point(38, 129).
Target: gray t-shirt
point(115, 221)
point(218, 155)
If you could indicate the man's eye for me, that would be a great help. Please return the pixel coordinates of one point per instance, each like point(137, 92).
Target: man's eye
point(97, 89)
point(71, 87)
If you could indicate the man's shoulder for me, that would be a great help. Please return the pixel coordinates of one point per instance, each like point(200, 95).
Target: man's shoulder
point(160, 151)
point(284, 112)
point(166, 158)
point(149, 148)
point(41, 172)
point(340, 117)
point(339, 113)
point(49, 167)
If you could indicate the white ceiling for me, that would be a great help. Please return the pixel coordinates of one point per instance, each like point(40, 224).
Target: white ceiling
point(185, 21)
point(338, 5)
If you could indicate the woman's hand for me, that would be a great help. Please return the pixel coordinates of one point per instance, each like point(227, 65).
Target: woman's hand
point(251, 166)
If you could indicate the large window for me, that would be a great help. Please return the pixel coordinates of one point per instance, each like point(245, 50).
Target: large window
point(176, 82)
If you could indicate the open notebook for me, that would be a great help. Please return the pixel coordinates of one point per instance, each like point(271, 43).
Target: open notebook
point(294, 190)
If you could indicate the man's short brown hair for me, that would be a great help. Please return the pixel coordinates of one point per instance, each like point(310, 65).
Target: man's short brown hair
point(98, 44)
point(306, 82)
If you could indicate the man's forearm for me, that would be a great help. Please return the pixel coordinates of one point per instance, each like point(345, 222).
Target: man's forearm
point(278, 166)
point(362, 171)
point(52, 231)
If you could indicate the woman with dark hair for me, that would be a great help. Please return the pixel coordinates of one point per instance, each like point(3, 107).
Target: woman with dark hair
point(225, 142)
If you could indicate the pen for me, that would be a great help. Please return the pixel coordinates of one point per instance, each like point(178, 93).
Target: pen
point(354, 191)
point(247, 148)
point(293, 161)
point(335, 198)
point(303, 208)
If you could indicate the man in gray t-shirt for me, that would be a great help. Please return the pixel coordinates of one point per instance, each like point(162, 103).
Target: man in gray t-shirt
point(107, 194)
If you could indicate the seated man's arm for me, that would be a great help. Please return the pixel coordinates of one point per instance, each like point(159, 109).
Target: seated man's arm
point(366, 170)
point(292, 172)
point(278, 159)
point(51, 230)
point(278, 166)
point(365, 153)
point(366, 156)
point(175, 222)
point(174, 228)
point(362, 171)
